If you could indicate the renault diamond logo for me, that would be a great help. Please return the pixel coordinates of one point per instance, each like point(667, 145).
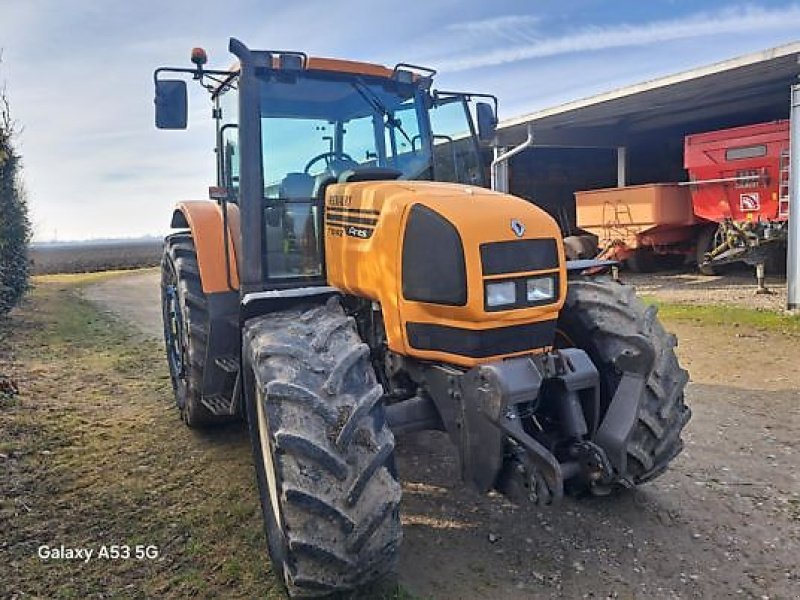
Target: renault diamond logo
point(517, 227)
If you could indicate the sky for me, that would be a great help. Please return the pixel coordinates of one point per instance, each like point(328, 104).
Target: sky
point(79, 76)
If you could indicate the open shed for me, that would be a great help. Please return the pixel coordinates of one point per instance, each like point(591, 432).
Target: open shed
point(635, 134)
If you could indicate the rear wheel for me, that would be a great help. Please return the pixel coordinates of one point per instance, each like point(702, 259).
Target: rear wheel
point(641, 260)
point(670, 261)
point(606, 319)
point(323, 452)
point(185, 316)
point(776, 261)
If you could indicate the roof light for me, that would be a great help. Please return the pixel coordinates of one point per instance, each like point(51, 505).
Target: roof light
point(199, 56)
point(291, 62)
point(404, 76)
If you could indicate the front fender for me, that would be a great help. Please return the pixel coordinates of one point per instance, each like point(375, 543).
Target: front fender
point(205, 220)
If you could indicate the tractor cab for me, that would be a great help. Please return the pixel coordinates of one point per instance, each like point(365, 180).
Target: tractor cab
point(316, 124)
point(291, 125)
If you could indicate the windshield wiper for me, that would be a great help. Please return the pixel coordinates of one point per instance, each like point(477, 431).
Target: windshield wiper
point(372, 99)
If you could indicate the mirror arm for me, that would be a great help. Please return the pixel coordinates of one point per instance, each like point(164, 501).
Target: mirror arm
point(191, 72)
point(469, 96)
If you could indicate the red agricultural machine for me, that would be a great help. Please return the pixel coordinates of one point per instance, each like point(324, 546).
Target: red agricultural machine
point(735, 206)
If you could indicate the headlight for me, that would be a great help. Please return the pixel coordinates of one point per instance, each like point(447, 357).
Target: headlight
point(499, 294)
point(541, 288)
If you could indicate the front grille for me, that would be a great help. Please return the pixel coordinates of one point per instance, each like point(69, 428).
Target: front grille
point(434, 269)
point(519, 256)
point(481, 343)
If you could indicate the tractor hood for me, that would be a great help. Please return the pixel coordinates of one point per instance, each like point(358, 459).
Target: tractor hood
point(450, 266)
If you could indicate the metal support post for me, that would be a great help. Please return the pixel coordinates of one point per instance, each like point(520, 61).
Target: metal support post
point(761, 289)
point(793, 255)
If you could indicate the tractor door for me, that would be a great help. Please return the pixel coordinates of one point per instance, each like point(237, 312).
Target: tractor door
point(226, 111)
point(457, 154)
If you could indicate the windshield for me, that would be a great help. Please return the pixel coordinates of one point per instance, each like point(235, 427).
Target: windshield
point(317, 125)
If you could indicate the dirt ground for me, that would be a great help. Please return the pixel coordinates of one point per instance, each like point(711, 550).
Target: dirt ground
point(723, 522)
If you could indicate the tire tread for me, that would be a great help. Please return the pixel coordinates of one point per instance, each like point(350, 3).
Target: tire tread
point(333, 458)
point(613, 322)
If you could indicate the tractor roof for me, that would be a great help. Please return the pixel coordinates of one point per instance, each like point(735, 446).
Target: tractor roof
point(353, 67)
point(337, 65)
point(317, 63)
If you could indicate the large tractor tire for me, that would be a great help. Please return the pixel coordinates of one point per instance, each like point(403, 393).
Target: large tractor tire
point(323, 452)
point(185, 317)
point(606, 319)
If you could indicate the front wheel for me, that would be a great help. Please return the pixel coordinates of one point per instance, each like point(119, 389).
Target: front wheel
point(324, 455)
point(605, 319)
point(184, 311)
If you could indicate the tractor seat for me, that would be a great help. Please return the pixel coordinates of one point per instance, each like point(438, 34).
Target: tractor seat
point(296, 186)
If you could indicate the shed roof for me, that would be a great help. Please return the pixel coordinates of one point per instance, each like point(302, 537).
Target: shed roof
point(747, 89)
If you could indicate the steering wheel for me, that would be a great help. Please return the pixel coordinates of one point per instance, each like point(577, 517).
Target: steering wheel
point(345, 161)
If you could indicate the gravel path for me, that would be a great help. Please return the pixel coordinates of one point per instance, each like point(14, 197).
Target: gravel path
point(723, 522)
point(737, 289)
point(134, 297)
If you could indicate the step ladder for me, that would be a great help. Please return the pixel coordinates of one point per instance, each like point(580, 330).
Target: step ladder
point(783, 185)
point(617, 220)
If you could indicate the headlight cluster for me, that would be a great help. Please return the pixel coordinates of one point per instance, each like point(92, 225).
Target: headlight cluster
point(499, 294)
point(540, 288)
point(520, 293)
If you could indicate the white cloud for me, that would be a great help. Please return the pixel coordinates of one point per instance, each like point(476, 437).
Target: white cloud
point(506, 28)
point(739, 20)
point(494, 23)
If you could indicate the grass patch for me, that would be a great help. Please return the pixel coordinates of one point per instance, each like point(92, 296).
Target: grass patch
point(718, 314)
point(74, 280)
point(93, 453)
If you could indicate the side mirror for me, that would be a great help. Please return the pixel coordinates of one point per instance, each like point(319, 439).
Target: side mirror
point(172, 105)
point(487, 121)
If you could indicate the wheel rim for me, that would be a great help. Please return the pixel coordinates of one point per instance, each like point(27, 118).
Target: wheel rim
point(174, 332)
point(269, 464)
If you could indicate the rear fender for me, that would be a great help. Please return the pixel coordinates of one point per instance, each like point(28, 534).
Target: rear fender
point(205, 220)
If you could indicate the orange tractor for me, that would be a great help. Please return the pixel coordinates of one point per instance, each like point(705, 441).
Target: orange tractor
point(352, 279)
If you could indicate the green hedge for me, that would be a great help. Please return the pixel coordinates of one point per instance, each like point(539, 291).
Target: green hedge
point(15, 228)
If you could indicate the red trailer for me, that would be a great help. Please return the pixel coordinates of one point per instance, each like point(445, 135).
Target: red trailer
point(735, 206)
point(739, 181)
